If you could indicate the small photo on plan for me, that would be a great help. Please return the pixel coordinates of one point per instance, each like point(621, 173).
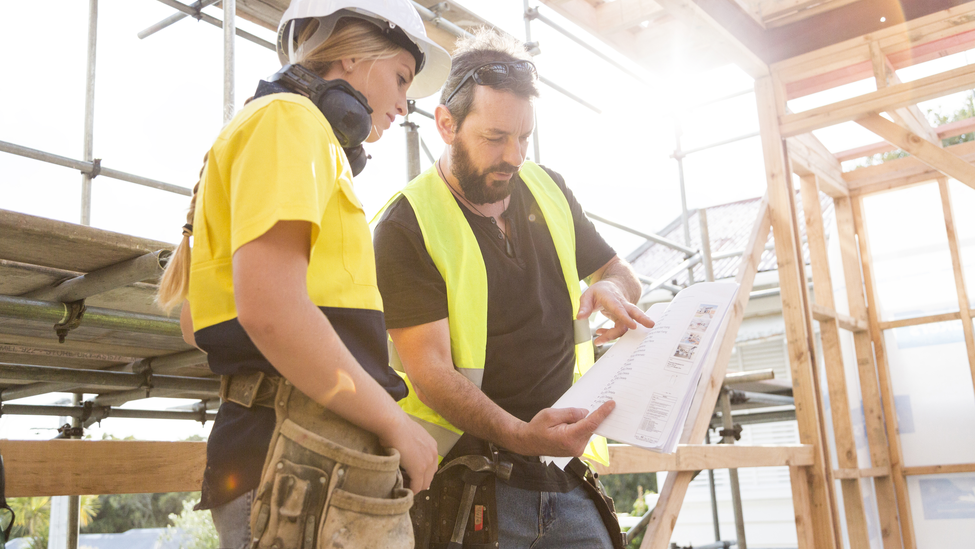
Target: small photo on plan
point(691, 338)
point(685, 352)
point(706, 311)
point(700, 323)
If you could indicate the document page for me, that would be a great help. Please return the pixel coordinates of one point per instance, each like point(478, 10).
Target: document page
point(652, 373)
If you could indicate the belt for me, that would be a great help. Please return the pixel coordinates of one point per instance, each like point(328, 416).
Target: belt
point(249, 390)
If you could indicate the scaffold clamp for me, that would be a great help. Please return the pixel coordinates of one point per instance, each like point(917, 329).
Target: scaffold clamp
point(73, 313)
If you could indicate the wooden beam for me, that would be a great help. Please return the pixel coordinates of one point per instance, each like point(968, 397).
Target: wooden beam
point(909, 117)
point(918, 320)
point(839, 401)
point(809, 156)
point(613, 17)
point(786, 13)
point(847, 322)
point(870, 394)
point(872, 472)
point(664, 516)
point(847, 212)
point(87, 467)
point(939, 469)
point(905, 44)
point(705, 25)
point(956, 264)
point(900, 172)
point(795, 312)
point(944, 131)
point(923, 150)
point(892, 97)
point(625, 459)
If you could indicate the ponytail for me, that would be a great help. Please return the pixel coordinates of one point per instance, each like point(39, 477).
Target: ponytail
point(174, 284)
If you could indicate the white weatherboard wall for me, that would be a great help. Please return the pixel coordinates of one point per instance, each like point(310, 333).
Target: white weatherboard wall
point(929, 368)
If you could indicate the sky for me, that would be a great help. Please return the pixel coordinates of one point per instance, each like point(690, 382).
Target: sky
point(158, 107)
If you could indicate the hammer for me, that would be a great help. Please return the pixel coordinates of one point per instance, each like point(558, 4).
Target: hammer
point(477, 467)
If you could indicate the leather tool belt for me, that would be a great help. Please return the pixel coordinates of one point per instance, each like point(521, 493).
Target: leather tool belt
point(326, 483)
point(247, 390)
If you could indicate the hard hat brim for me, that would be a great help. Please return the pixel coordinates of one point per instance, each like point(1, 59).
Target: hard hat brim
point(434, 72)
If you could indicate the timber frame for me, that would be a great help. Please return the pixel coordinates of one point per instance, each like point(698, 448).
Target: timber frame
point(791, 150)
point(794, 48)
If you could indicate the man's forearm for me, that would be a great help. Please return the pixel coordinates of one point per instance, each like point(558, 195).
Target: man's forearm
point(624, 277)
point(465, 406)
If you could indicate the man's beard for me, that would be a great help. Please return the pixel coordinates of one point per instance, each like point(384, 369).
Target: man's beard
point(475, 184)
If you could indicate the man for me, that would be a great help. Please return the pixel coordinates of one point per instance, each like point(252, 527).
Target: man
point(479, 263)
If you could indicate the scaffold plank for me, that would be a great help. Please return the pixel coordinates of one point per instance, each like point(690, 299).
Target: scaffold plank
point(78, 467)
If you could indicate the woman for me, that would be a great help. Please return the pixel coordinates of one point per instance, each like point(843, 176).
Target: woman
point(308, 437)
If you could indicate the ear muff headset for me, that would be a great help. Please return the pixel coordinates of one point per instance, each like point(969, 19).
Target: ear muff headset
point(345, 108)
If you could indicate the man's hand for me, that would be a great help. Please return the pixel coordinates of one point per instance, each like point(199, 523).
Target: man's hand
point(613, 290)
point(606, 297)
point(559, 432)
point(417, 451)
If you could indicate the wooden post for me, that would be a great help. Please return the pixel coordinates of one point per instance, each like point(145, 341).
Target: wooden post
point(794, 313)
point(895, 455)
point(829, 331)
point(963, 304)
point(664, 515)
point(801, 503)
point(890, 527)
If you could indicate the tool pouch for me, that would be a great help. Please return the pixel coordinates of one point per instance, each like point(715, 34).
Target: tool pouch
point(435, 511)
point(327, 483)
point(604, 504)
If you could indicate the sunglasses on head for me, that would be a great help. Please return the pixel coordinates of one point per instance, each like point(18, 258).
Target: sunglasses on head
point(492, 74)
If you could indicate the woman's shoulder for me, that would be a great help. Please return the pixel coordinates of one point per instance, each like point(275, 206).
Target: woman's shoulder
point(265, 113)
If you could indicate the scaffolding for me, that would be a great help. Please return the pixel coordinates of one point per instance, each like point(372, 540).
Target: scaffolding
point(96, 287)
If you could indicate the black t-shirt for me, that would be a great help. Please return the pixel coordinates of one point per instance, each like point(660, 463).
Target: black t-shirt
point(530, 354)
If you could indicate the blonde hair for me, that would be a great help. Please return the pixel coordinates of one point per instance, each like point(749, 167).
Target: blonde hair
point(351, 38)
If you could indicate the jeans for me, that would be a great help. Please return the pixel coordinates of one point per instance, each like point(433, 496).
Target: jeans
point(549, 520)
point(233, 522)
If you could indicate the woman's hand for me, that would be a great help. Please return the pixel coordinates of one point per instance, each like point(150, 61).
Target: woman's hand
point(417, 451)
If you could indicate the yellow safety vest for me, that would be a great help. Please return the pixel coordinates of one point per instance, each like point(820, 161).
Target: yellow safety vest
point(454, 249)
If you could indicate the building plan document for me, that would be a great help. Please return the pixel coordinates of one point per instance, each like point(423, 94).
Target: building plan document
point(653, 374)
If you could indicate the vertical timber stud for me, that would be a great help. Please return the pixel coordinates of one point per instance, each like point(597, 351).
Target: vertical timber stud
point(964, 306)
point(664, 514)
point(887, 499)
point(855, 207)
point(801, 504)
point(829, 331)
point(792, 282)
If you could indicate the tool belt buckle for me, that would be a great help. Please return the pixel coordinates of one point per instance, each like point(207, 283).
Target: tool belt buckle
point(241, 389)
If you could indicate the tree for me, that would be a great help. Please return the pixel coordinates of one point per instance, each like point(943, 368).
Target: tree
point(193, 529)
point(34, 517)
point(121, 512)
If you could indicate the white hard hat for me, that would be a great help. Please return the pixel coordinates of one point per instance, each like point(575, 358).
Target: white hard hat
point(433, 62)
